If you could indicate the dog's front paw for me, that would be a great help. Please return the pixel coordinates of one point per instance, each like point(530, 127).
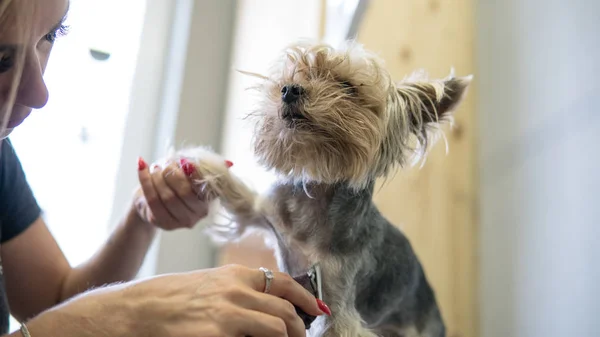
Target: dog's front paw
point(208, 163)
point(216, 180)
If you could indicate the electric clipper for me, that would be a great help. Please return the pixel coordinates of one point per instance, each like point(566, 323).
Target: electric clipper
point(311, 281)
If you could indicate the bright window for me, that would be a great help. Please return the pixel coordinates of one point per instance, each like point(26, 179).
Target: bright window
point(70, 149)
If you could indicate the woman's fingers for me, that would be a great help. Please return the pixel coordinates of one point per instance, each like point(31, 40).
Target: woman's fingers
point(284, 286)
point(251, 299)
point(281, 308)
point(179, 182)
point(175, 195)
point(153, 199)
point(257, 324)
point(172, 202)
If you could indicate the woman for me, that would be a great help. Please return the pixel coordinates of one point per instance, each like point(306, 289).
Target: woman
point(39, 285)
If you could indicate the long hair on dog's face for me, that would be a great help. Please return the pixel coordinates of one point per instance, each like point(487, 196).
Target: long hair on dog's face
point(330, 116)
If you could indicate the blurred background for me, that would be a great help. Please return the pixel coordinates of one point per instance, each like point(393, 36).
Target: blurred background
point(506, 223)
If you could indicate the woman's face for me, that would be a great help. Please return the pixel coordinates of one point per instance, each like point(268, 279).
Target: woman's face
point(28, 27)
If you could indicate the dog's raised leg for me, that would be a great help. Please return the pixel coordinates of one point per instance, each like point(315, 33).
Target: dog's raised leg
point(242, 203)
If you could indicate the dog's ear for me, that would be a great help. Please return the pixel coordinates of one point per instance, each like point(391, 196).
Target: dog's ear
point(427, 103)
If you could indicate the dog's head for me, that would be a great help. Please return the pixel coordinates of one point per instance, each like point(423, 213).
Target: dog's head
point(330, 116)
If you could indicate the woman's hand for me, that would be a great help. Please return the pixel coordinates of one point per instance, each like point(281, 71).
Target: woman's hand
point(167, 197)
point(225, 301)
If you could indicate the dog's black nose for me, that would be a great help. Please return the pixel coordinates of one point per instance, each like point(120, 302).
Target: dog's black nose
point(291, 93)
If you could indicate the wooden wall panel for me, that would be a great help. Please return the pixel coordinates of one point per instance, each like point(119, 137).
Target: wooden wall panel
point(435, 205)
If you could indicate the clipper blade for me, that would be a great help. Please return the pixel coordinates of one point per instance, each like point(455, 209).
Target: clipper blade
point(312, 281)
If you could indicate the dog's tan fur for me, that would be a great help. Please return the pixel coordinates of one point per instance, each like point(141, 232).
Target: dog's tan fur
point(352, 133)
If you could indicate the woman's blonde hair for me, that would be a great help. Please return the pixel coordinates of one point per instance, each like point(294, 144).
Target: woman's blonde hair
point(15, 25)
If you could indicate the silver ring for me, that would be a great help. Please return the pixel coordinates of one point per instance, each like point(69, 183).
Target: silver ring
point(268, 278)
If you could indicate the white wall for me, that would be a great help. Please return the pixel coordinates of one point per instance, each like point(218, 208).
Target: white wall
point(178, 98)
point(540, 164)
point(145, 109)
point(200, 114)
point(263, 29)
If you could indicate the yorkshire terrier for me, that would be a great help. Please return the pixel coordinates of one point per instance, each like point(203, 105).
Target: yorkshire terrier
point(330, 123)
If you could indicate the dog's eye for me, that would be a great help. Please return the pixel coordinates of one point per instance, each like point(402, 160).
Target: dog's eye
point(349, 88)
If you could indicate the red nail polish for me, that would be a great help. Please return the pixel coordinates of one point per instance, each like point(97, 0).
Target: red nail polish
point(228, 163)
point(186, 166)
point(324, 308)
point(141, 164)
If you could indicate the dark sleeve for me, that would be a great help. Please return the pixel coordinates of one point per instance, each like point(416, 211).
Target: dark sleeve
point(18, 206)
